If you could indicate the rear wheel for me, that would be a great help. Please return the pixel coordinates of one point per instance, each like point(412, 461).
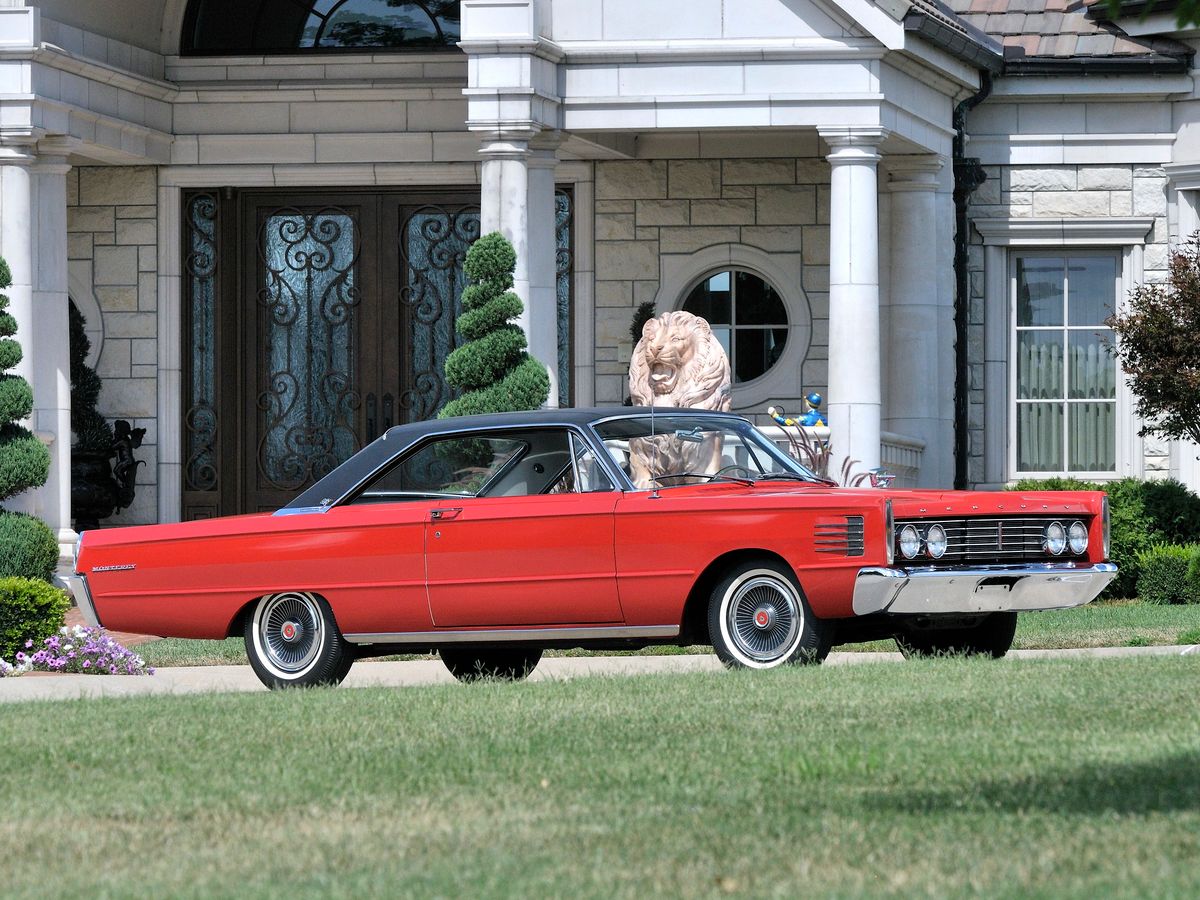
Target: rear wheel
point(292, 640)
point(474, 664)
point(991, 636)
point(758, 619)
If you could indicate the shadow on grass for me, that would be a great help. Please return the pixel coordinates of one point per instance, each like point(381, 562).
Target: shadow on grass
point(1164, 785)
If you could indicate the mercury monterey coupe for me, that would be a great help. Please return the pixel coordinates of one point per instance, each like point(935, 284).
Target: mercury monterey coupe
point(489, 539)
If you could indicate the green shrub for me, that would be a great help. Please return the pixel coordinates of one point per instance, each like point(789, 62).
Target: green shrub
point(1167, 574)
point(24, 460)
point(30, 548)
point(492, 370)
point(30, 610)
point(1144, 513)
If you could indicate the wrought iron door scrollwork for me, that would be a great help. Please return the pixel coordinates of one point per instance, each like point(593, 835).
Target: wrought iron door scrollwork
point(433, 243)
point(200, 470)
point(309, 333)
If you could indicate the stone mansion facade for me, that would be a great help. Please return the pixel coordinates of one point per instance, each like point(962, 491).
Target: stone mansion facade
point(922, 210)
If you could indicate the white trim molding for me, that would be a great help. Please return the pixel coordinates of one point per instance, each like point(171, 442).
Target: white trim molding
point(1107, 232)
point(1000, 236)
point(680, 272)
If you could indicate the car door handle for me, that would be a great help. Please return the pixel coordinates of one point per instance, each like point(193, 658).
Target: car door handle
point(443, 515)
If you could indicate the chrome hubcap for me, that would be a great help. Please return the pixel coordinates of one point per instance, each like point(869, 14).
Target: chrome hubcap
point(763, 618)
point(290, 631)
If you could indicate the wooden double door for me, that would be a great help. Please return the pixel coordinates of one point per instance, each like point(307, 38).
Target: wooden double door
point(313, 322)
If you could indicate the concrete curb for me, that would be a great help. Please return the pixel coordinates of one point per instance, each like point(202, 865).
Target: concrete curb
point(241, 679)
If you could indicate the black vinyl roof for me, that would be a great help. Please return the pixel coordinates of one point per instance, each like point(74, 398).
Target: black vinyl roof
point(345, 477)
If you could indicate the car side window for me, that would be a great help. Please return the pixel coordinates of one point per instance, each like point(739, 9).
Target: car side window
point(494, 464)
point(584, 474)
point(455, 466)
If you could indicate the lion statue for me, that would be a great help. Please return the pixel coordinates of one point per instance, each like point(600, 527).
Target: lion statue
point(677, 363)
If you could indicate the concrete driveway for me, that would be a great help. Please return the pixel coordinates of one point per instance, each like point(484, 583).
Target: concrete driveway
point(229, 679)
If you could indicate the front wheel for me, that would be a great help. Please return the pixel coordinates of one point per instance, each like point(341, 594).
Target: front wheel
point(758, 619)
point(292, 640)
point(512, 664)
point(991, 636)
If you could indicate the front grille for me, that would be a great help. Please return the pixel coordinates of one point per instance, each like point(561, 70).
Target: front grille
point(984, 540)
point(843, 535)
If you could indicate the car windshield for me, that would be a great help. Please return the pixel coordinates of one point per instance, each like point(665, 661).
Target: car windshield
point(671, 450)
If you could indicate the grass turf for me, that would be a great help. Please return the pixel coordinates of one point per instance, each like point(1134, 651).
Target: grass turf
point(939, 777)
point(1114, 624)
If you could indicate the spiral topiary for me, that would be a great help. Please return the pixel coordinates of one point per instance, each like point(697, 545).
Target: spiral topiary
point(492, 370)
point(24, 460)
point(30, 548)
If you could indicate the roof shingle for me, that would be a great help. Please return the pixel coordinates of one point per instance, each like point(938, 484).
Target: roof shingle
point(1059, 29)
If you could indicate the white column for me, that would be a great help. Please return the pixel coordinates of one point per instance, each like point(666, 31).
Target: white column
point(911, 383)
point(517, 199)
point(52, 363)
point(16, 246)
point(854, 349)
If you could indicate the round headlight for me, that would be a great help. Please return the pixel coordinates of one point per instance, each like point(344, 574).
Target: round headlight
point(1077, 537)
point(1056, 539)
point(910, 541)
point(935, 541)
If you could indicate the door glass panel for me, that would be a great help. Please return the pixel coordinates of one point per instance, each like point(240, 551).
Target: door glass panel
point(434, 243)
point(308, 299)
point(564, 268)
point(201, 471)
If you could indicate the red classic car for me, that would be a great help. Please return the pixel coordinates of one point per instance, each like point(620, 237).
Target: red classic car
point(489, 539)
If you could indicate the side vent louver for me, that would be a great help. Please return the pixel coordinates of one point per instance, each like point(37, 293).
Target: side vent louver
point(842, 535)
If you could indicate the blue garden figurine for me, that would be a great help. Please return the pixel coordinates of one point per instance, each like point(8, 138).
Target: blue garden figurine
point(813, 415)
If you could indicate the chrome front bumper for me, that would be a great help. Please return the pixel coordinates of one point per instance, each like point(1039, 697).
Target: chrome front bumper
point(78, 586)
point(979, 589)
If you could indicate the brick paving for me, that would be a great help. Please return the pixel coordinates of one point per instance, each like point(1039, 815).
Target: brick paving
point(124, 638)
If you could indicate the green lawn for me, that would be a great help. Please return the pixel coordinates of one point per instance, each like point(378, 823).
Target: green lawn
point(1063, 778)
point(1114, 624)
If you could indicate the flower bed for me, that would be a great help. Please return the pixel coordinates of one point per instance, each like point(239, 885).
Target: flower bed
point(77, 650)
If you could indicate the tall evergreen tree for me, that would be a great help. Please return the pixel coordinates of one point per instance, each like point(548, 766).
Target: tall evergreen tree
point(493, 369)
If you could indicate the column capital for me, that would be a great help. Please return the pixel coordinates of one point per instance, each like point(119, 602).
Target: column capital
point(853, 143)
point(18, 153)
point(913, 173)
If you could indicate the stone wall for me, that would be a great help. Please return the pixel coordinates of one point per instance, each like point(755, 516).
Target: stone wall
point(1059, 192)
point(652, 216)
point(112, 241)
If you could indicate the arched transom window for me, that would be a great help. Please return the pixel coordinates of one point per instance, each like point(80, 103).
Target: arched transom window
point(288, 26)
point(747, 316)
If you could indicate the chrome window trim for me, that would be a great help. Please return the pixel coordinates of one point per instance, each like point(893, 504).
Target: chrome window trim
point(570, 428)
point(766, 445)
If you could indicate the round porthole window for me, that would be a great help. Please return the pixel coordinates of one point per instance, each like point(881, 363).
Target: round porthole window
point(747, 316)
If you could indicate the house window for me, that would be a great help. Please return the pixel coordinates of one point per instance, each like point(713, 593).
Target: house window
point(288, 26)
point(746, 315)
point(1064, 378)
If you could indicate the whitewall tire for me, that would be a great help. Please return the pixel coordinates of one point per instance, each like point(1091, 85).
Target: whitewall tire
point(292, 640)
point(758, 619)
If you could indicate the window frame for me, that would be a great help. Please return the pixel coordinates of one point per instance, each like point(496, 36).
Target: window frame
point(733, 269)
point(1003, 236)
point(1014, 330)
